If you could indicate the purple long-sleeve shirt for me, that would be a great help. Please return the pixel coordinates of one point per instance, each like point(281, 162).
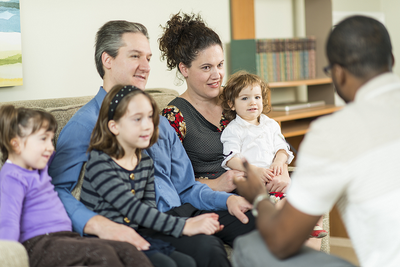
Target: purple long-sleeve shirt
point(29, 206)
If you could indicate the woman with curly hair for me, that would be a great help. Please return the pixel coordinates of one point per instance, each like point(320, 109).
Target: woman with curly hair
point(196, 51)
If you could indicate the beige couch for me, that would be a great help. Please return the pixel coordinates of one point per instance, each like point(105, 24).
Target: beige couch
point(12, 253)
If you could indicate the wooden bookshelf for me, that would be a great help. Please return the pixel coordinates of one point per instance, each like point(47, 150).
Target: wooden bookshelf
point(318, 16)
point(242, 27)
point(302, 113)
point(300, 82)
point(296, 122)
point(310, 82)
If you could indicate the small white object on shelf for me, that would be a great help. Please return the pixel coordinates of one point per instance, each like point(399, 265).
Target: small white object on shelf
point(297, 105)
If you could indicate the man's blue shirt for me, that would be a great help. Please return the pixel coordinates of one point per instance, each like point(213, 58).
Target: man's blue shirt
point(71, 154)
point(174, 177)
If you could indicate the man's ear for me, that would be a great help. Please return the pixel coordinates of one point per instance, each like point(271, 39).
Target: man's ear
point(113, 127)
point(16, 145)
point(231, 105)
point(391, 54)
point(340, 75)
point(106, 60)
point(183, 69)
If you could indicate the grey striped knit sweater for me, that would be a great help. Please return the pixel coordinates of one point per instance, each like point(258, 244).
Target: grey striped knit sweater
point(107, 190)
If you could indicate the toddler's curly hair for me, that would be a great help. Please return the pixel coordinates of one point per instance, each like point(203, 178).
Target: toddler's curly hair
point(236, 83)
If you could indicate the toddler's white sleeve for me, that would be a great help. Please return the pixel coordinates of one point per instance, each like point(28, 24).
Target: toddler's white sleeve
point(231, 141)
point(280, 143)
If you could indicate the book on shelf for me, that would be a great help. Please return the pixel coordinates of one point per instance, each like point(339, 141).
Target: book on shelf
point(290, 106)
point(289, 59)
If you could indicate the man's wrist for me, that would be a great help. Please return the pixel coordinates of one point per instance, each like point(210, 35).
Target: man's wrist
point(257, 200)
point(229, 199)
point(93, 225)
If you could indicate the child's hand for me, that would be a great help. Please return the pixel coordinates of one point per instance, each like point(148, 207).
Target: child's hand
point(266, 175)
point(276, 168)
point(202, 224)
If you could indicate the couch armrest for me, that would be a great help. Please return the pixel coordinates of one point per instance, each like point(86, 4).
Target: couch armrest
point(13, 254)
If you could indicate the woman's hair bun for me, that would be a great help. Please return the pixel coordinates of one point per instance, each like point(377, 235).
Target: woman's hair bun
point(184, 36)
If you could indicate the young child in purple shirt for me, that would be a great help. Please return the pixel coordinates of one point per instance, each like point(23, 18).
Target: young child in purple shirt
point(30, 210)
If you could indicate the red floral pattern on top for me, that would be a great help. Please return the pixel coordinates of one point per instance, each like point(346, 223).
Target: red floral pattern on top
point(175, 118)
point(223, 123)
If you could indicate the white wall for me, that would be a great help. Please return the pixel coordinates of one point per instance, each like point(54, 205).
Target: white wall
point(58, 39)
point(389, 8)
point(273, 18)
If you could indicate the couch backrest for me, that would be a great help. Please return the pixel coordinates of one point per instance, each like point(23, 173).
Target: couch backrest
point(64, 108)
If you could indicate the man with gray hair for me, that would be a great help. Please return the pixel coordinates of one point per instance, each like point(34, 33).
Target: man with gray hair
point(116, 43)
point(349, 158)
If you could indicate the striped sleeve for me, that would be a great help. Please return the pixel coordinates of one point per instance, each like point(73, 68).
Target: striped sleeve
point(149, 196)
point(107, 180)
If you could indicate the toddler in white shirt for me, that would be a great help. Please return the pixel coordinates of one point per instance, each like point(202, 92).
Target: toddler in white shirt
point(251, 134)
point(254, 136)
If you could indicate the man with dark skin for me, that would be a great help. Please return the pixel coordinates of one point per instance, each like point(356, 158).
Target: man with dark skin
point(348, 158)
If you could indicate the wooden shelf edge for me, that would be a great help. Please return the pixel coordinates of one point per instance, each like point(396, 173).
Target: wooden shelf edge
point(300, 82)
point(295, 133)
point(295, 128)
point(303, 113)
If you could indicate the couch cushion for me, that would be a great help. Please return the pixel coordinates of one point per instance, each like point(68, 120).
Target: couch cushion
point(162, 96)
point(49, 103)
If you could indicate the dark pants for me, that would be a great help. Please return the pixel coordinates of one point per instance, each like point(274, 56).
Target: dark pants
point(70, 249)
point(175, 259)
point(206, 250)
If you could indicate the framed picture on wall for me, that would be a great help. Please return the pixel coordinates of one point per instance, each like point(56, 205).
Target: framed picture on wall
point(10, 44)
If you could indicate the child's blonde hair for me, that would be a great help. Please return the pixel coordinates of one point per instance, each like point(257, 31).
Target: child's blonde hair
point(22, 122)
point(236, 83)
point(102, 138)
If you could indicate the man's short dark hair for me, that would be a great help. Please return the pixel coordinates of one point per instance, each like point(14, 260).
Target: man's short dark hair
point(361, 45)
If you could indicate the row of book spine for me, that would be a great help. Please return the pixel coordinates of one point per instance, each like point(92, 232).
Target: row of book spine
point(280, 60)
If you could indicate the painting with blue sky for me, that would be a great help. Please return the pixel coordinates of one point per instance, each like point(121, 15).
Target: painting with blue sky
point(10, 44)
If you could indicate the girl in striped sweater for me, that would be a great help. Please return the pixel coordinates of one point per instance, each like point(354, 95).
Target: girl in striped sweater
point(119, 177)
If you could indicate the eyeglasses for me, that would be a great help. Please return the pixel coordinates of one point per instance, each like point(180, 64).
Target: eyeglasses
point(327, 70)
